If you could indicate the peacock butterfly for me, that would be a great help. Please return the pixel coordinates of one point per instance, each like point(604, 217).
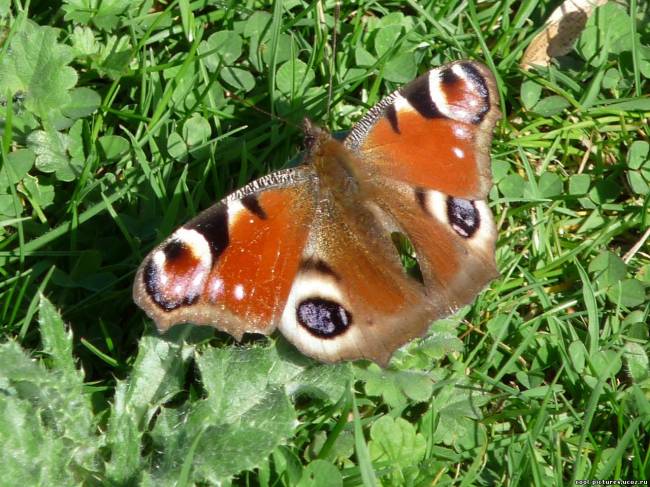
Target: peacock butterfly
point(309, 250)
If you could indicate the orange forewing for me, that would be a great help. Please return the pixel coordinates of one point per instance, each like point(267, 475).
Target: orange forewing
point(427, 153)
point(253, 276)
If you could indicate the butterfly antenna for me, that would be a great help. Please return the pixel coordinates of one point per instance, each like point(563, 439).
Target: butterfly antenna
point(337, 13)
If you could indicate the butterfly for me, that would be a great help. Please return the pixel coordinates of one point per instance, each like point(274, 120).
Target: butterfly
point(311, 250)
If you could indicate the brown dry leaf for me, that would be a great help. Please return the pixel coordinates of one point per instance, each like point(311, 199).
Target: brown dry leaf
point(562, 29)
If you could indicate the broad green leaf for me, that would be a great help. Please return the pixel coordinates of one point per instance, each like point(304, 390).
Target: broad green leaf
point(83, 102)
point(16, 167)
point(628, 292)
point(238, 78)
point(387, 38)
point(608, 28)
point(362, 57)
point(396, 386)
point(158, 375)
point(401, 68)
point(636, 360)
point(512, 186)
point(39, 193)
point(105, 14)
point(293, 77)
point(320, 473)
point(500, 169)
point(550, 185)
point(551, 105)
point(608, 267)
point(196, 130)
point(579, 184)
point(605, 361)
point(637, 155)
point(51, 149)
point(176, 146)
point(530, 93)
point(37, 65)
point(397, 446)
point(113, 147)
point(220, 49)
point(605, 190)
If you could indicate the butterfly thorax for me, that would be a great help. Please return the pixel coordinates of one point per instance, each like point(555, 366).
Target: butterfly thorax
point(336, 169)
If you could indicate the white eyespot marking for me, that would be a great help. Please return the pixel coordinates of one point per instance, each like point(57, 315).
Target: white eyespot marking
point(235, 209)
point(458, 152)
point(195, 242)
point(318, 296)
point(401, 104)
point(239, 292)
point(459, 71)
point(482, 238)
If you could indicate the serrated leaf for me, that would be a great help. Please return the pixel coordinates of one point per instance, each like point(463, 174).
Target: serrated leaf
point(37, 65)
point(395, 444)
point(320, 473)
point(245, 415)
point(636, 359)
point(57, 341)
point(105, 14)
point(158, 374)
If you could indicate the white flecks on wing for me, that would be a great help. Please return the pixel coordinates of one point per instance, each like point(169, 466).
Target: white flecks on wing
point(461, 132)
point(239, 292)
point(458, 152)
point(216, 289)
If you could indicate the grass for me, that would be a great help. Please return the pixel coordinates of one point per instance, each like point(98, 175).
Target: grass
point(133, 116)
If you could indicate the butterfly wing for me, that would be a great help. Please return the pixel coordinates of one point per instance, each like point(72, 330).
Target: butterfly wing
point(435, 132)
point(422, 159)
point(232, 266)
